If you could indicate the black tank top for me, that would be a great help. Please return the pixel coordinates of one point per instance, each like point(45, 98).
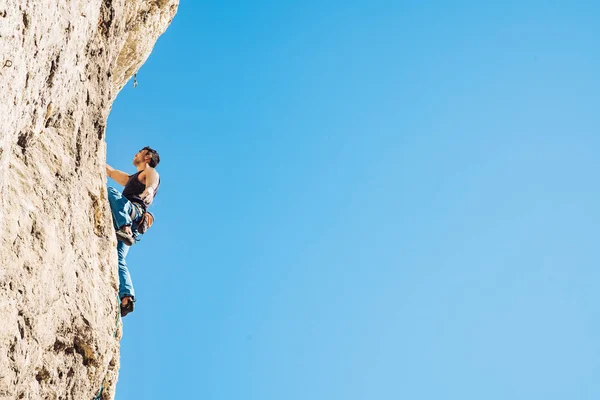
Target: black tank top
point(134, 188)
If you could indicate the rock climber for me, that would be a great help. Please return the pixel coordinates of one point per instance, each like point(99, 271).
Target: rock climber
point(130, 216)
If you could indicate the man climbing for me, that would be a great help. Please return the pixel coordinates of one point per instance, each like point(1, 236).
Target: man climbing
point(130, 216)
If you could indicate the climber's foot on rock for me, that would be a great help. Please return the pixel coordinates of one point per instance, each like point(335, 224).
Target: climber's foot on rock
point(126, 305)
point(125, 235)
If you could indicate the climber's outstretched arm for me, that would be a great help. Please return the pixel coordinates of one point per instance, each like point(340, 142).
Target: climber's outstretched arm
point(119, 176)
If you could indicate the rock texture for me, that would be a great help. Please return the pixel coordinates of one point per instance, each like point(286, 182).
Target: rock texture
point(62, 62)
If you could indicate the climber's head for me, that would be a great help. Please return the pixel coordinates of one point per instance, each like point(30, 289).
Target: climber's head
point(148, 156)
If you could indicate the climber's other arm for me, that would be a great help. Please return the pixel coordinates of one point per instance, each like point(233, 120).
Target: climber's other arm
point(119, 176)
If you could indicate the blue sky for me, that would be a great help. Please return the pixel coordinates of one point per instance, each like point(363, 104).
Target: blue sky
point(367, 200)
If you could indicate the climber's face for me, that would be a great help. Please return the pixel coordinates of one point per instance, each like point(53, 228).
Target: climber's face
point(140, 157)
point(136, 158)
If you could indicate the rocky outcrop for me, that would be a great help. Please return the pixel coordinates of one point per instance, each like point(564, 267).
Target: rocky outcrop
point(62, 62)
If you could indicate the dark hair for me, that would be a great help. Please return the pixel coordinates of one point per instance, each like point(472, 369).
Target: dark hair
point(155, 157)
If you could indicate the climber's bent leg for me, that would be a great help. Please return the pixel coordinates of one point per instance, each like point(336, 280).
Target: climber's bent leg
point(120, 207)
point(125, 283)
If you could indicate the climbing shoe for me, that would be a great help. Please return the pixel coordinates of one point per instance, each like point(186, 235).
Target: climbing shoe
point(125, 237)
point(127, 308)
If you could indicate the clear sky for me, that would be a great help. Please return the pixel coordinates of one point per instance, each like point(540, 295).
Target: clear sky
point(367, 200)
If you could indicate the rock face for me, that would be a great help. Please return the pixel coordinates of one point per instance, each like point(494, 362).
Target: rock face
point(62, 62)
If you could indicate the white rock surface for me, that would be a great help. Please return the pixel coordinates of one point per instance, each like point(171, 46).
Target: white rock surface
point(62, 62)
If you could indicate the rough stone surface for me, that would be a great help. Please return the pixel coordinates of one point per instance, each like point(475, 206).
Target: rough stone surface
point(62, 62)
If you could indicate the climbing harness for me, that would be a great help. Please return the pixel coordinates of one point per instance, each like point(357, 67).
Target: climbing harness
point(99, 394)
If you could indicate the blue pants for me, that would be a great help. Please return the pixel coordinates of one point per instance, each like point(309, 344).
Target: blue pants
point(121, 211)
point(121, 208)
point(125, 283)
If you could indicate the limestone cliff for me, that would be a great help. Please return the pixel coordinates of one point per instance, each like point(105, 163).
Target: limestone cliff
point(62, 62)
